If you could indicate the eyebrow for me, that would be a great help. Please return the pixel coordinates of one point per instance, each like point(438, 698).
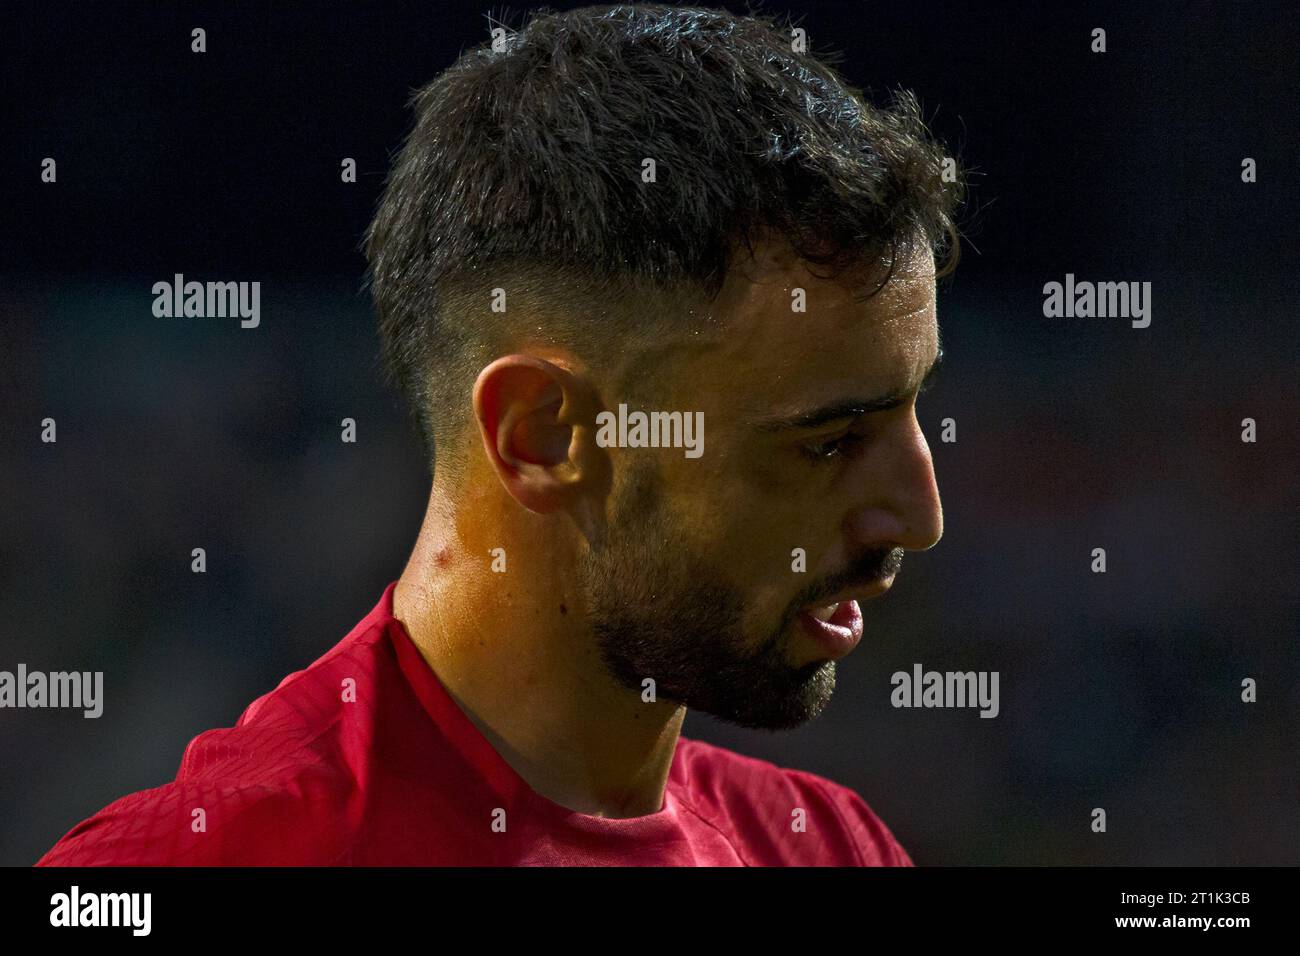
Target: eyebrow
point(851, 408)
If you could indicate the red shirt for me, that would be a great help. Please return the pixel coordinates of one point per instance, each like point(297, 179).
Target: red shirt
point(364, 759)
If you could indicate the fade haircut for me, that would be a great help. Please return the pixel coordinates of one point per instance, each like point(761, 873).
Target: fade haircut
point(524, 172)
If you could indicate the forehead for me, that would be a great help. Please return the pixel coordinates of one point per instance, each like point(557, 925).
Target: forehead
point(843, 343)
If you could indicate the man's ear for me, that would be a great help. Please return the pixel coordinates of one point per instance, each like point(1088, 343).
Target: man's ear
point(537, 421)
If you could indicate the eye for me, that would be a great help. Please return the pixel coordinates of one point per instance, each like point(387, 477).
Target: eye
point(830, 450)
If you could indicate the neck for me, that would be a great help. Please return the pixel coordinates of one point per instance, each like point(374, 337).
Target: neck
point(516, 652)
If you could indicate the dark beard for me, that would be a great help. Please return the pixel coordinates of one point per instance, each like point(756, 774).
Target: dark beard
point(658, 611)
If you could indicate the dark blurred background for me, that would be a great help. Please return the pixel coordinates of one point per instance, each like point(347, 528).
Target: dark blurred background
point(1119, 691)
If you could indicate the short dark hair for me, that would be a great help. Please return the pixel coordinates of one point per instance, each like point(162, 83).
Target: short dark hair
point(524, 172)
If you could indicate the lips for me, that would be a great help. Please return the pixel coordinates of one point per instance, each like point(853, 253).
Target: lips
point(837, 627)
point(838, 634)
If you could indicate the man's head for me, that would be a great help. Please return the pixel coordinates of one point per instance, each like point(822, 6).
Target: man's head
point(678, 213)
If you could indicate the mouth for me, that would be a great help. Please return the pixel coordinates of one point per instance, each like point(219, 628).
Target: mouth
point(838, 631)
point(837, 627)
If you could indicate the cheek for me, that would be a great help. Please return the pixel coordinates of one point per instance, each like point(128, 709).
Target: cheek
point(764, 538)
point(790, 533)
point(768, 576)
point(754, 532)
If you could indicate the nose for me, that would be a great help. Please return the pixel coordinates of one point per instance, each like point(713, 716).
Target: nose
point(901, 506)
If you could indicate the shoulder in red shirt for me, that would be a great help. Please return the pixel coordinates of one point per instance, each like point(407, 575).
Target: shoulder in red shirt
point(363, 758)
